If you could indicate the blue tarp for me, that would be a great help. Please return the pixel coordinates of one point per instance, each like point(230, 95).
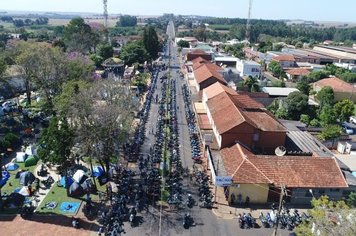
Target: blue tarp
point(63, 183)
point(12, 166)
point(97, 171)
point(69, 207)
point(5, 175)
point(2, 182)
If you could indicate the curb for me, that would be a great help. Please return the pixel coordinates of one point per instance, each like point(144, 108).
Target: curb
point(224, 216)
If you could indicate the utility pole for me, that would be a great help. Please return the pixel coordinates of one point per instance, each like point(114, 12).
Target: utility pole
point(106, 15)
point(280, 205)
point(216, 174)
point(248, 25)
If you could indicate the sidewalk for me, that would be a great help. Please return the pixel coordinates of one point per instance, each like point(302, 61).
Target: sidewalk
point(222, 209)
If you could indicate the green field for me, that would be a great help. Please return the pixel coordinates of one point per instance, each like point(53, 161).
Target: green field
point(220, 27)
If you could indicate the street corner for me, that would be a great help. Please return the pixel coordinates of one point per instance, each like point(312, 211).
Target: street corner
point(223, 213)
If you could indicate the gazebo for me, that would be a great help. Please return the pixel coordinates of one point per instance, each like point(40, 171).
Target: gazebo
point(115, 65)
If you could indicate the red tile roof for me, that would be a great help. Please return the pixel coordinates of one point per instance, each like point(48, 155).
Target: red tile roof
point(210, 65)
point(203, 122)
point(298, 71)
point(336, 84)
point(203, 73)
point(292, 171)
point(198, 60)
point(284, 57)
point(216, 89)
point(229, 111)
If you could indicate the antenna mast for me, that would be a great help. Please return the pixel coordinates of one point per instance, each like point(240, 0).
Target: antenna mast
point(248, 26)
point(106, 15)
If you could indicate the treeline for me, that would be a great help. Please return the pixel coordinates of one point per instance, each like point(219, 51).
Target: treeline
point(277, 28)
point(127, 21)
point(25, 22)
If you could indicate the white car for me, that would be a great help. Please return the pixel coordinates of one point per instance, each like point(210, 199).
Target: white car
point(348, 130)
point(353, 119)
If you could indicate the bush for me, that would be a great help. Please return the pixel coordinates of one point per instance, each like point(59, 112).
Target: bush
point(12, 139)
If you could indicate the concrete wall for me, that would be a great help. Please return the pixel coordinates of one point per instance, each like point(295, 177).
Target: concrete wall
point(268, 141)
point(303, 196)
point(257, 193)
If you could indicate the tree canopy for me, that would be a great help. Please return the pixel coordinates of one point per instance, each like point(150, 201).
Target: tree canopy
point(105, 51)
point(78, 36)
point(344, 109)
point(297, 104)
point(325, 96)
point(127, 21)
point(150, 41)
point(133, 52)
point(183, 44)
point(330, 132)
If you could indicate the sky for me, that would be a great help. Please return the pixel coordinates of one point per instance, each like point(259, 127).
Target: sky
point(319, 10)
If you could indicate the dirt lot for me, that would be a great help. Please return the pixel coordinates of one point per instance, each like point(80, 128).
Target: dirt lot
point(44, 226)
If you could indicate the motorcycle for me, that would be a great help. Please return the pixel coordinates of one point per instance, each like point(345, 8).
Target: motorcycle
point(26, 211)
point(132, 217)
point(188, 221)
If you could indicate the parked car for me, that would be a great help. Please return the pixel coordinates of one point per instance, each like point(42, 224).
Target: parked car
point(353, 119)
point(347, 129)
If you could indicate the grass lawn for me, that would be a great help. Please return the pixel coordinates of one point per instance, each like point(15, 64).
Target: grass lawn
point(59, 194)
point(56, 194)
point(15, 183)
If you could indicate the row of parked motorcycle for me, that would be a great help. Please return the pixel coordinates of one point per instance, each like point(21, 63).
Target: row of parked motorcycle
point(191, 121)
point(285, 220)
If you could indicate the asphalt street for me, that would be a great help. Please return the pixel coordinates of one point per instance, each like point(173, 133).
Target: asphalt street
point(207, 223)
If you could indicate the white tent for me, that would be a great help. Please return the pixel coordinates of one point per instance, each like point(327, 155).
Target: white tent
point(31, 150)
point(20, 157)
point(24, 191)
point(78, 176)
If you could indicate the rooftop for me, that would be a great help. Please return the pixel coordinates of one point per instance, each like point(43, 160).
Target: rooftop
point(241, 108)
point(336, 84)
point(292, 171)
point(217, 88)
point(284, 57)
point(298, 71)
point(204, 72)
point(277, 91)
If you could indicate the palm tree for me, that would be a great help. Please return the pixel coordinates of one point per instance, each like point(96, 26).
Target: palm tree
point(252, 84)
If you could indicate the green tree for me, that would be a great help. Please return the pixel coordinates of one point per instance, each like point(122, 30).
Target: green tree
point(327, 115)
point(3, 67)
point(252, 84)
point(105, 51)
point(127, 21)
point(330, 132)
point(56, 143)
point(150, 41)
point(305, 119)
point(65, 100)
point(183, 44)
point(351, 199)
point(325, 96)
point(200, 33)
point(78, 36)
point(315, 76)
point(297, 104)
point(276, 69)
point(328, 218)
point(98, 60)
point(344, 109)
point(303, 86)
point(134, 52)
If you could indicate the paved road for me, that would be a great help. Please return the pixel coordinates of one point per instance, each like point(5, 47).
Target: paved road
point(172, 222)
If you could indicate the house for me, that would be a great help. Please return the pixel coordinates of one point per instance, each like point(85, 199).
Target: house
point(226, 60)
point(214, 90)
point(342, 90)
point(241, 118)
point(297, 74)
point(278, 92)
point(261, 176)
point(285, 60)
point(205, 76)
point(190, 56)
point(199, 61)
point(248, 68)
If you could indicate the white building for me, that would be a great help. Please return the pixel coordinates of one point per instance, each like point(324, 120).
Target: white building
point(248, 68)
